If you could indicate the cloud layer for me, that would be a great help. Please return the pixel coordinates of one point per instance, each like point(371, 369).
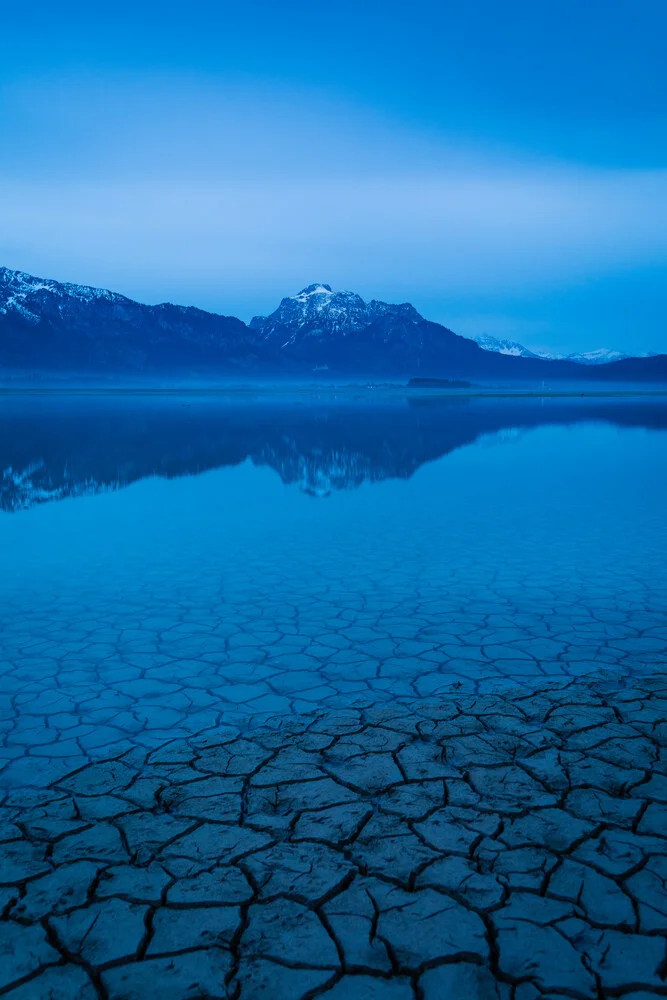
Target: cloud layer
point(231, 195)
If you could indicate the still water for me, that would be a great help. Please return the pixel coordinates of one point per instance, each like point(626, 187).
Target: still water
point(172, 564)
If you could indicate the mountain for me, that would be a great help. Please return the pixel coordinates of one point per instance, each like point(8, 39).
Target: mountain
point(319, 314)
point(52, 326)
point(601, 356)
point(60, 447)
point(338, 329)
point(341, 332)
point(49, 328)
point(510, 347)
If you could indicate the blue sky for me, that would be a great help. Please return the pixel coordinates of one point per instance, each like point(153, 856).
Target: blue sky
point(502, 166)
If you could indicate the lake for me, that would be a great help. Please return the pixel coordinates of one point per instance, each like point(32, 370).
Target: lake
point(171, 564)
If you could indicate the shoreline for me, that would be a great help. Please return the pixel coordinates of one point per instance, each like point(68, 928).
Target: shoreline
point(366, 392)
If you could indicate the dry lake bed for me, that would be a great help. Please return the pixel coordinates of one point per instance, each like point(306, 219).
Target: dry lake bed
point(335, 698)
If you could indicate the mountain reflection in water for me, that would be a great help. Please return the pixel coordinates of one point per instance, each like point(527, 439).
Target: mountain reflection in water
point(56, 447)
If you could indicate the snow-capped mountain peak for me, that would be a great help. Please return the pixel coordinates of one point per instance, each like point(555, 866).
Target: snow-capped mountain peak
point(26, 295)
point(319, 312)
point(317, 289)
point(52, 325)
point(510, 347)
point(600, 356)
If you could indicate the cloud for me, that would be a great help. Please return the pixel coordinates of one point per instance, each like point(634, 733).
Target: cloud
point(230, 195)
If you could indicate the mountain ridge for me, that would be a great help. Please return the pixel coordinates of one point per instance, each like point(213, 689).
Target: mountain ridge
point(48, 326)
point(599, 356)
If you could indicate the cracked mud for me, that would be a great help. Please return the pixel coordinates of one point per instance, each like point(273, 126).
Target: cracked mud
point(508, 846)
point(405, 743)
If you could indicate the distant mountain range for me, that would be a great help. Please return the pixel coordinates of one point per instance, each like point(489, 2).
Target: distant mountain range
point(50, 328)
point(601, 356)
point(55, 448)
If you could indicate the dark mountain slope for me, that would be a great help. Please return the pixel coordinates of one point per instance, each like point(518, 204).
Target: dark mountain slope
point(50, 326)
point(47, 327)
point(321, 327)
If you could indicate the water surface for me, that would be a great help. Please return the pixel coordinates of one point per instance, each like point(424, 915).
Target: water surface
point(174, 564)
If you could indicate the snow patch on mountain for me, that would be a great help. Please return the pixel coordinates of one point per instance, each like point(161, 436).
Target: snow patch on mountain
point(20, 292)
point(601, 356)
point(320, 290)
point(510, 347)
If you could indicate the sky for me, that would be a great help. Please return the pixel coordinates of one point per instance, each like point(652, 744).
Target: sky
point(501, 166)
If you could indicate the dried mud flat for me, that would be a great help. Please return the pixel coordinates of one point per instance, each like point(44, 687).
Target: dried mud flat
point(506, 846)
